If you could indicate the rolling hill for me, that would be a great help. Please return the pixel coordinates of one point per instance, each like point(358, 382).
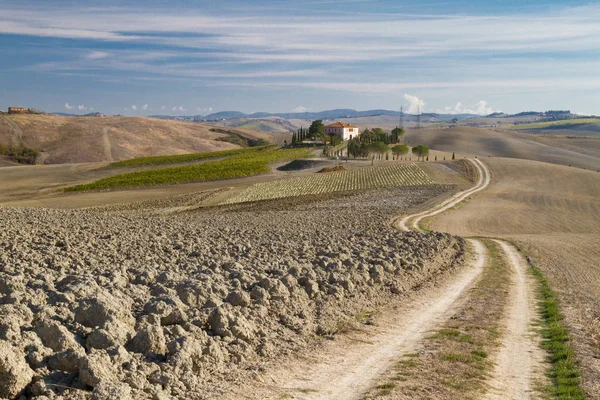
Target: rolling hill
point(496, 143)
point(90, 139)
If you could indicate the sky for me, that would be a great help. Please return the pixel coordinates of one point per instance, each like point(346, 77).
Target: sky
point(184, 57)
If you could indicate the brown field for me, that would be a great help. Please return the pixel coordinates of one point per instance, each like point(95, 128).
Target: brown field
point(486, 142)
point(93, 139)
point(553, 214)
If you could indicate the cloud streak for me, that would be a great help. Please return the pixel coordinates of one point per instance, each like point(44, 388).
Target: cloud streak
point(253, 47)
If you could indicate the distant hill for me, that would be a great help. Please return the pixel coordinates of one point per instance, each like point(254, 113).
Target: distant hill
point(343, 113)
point(90, 138)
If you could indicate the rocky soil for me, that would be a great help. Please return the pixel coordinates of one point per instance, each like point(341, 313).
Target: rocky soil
point(100, 304)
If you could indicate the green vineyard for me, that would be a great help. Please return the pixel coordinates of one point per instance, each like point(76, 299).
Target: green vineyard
point(359, 179)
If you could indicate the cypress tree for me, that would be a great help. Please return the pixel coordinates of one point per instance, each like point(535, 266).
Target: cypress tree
point(453, 156)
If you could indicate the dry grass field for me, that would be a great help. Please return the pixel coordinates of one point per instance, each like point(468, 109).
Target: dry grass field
point(93, 139)
point(553, 214)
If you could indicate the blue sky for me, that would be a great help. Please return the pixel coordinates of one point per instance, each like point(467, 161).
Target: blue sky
point(196, 57)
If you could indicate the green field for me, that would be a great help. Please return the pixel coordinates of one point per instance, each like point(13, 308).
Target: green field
point(358, 179)
point(181, 158)
point(237, 166)
point(557, 124)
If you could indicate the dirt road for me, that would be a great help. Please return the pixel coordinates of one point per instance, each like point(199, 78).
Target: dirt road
point(412, 221)
point(347, 373)
point(106, 146)
point(519, 364)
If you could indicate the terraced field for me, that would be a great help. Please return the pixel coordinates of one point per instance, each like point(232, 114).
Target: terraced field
point(359, 179)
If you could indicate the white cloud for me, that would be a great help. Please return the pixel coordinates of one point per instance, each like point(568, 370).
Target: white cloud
point(479, 108)
point(81, 107)
point(415, 104)
point(145, 107)
point(178, 108)
point(163, 107)
point(68, 106)
point(204, 110)
point(96, 55)
point(134, 108)
point(299, 109)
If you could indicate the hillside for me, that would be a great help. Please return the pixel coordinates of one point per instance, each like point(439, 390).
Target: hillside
point(486, 142)
point(91, 139)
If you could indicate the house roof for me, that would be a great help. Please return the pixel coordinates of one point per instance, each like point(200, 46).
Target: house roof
point(340, 125)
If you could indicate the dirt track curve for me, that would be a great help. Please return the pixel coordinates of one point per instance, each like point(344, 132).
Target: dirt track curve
point(412, 221)
point(519, 364)
point(349, 374)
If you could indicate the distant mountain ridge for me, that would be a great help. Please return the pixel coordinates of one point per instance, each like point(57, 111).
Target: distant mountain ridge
point(325, 115)
point(347, 113)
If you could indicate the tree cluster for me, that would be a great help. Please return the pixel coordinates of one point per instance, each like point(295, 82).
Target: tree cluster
point(300, 135)
point(23, 155)
point(421, 151)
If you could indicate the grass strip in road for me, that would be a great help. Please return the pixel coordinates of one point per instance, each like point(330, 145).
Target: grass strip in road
point(240, 166)
point(565, 374)
point(181, 158)
point(454, 361)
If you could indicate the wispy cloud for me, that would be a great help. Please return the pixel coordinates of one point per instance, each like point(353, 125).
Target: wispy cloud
point(354, 52)
point(96, 55)
point(68, 106)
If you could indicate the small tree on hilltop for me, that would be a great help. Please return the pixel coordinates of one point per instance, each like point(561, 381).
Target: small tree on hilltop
point(420, 151)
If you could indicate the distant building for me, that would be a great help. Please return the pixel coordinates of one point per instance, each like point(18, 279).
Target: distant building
point(16, 110)
point(342, 130)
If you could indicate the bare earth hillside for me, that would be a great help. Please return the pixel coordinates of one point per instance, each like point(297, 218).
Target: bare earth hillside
point(553, 213)
point(486, 142)
point(93, 139)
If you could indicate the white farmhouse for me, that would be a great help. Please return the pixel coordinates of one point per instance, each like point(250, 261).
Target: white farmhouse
point(341, 130)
